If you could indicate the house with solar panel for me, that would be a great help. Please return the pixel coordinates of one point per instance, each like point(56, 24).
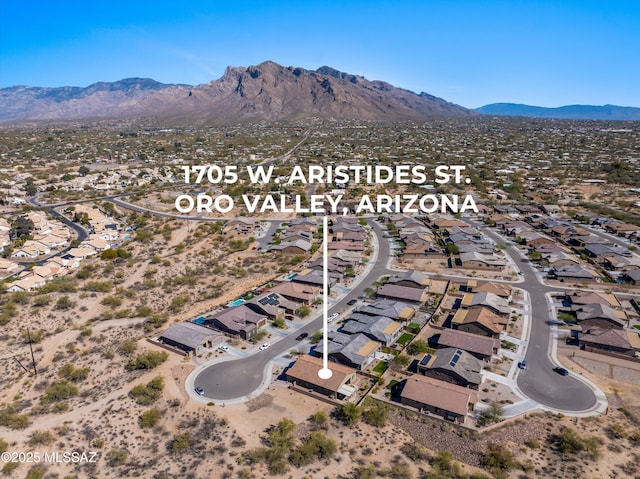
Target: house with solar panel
point(353, 350)
point(378, 328)
point(238, 320)
point(396, 310)
point(454, 366)
point(272, 305)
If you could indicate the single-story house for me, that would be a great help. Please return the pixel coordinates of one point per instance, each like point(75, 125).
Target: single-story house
point(439, 397)
point(190, 337)
point(482, 347)
point(304, 373)
point(495, 303)
point(454, 366)
point(272, 305)
point(410, 279)
point(402, 293)
point(395, 310)
point(238, 320)
point(479, 321)
point(499, 289)
point(573, 273)
point(293, 247)
point(378, 328)
point(297, 292)
point(353, 350)
point(600, 315)
point(612, 340)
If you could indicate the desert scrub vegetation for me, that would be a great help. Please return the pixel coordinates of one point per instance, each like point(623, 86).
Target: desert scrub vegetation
point(11, 417)
point(147, 394)
point(41, 438)
point(150, 418)
point(282, 449)
point(72, 373)
point(570, 442)
point(59, 392)
point(148, 360)
point(443, 466)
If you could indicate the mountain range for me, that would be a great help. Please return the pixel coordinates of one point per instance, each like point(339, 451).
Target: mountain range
point(267, 91)
point(576, 112)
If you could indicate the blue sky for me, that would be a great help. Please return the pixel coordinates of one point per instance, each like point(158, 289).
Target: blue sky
point(546, 53)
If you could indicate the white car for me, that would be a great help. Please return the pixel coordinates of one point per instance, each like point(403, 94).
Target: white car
point(223, 347)
point(264, 346)
point(332, 317)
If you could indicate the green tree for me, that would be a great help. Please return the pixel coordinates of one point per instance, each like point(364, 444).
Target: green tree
point(419, 347)
point(150, 418)
point(349, 413)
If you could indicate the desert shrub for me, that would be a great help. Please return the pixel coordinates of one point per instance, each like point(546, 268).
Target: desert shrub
point(111, 301)
point(148, 360)
point(319, 419)
point(127, 347)
point(64, 302)
point(10, 417)
point(32, 336)
point(39, 438)
point(415, 452)
point(98, 286)
point(150, 418)
point(570, 442)
point(72, 373)
point(147, 394)
point(499, 460)
point(36, 472)
point(117, 457)
point(181, 443)
point(491, 415)
point(348, 413)
point(59, 391)
point(376, 415)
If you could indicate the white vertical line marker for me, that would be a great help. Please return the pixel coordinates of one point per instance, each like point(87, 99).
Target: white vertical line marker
point(325, 372)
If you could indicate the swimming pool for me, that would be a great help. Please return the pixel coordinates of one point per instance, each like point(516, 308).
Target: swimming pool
point(237, 302)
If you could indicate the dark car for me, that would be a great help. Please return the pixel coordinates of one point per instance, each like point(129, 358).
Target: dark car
point(351, 302)
point(561, 371)
point(301, 336)
point(523, 364)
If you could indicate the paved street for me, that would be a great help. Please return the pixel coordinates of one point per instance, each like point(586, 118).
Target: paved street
point(238, 378)
point(539, 381)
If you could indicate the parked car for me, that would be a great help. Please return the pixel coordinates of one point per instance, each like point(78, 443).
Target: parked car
point(200, 391)
point(289, 317)
point(332, 317)
point(301, 336)
point(265, 346)
point(523, 364)
point(223, 347)
point(561, 371)
point(351, 302)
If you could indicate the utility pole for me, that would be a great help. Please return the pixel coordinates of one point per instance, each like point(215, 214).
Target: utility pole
point(33, 358)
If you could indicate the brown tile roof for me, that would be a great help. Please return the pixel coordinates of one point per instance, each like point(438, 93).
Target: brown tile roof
point(440, 394)
point(306, 369)
point(401, 292)
point(468, 341)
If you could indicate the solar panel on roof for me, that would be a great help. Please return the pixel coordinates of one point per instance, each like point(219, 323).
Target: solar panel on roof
point(425, 360)
point(263, 301)
point(454, 360)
